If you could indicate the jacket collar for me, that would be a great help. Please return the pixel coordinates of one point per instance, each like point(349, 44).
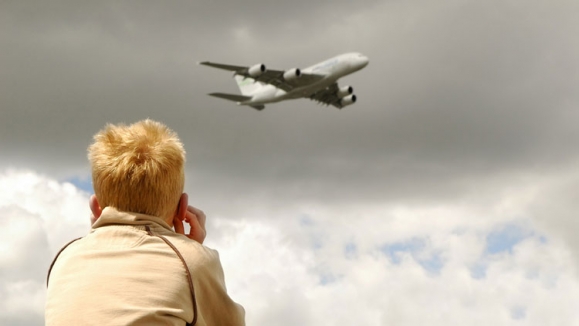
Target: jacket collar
point(111, 215)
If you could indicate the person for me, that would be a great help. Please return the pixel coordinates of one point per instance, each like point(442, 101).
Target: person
point(133, 268)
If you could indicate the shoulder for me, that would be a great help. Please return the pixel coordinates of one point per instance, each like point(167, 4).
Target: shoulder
point(197, 256)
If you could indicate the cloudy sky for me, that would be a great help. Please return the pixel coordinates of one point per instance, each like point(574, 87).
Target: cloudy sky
point(447, 195)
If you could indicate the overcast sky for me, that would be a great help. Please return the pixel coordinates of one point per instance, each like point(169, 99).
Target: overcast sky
point(447, 195)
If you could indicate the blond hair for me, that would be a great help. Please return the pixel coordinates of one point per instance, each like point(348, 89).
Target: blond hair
point(138, 168)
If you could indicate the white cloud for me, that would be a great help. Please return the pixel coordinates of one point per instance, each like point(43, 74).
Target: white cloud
point(22, 302)
point(316, 265)
point(37, 216)
point(479, 261)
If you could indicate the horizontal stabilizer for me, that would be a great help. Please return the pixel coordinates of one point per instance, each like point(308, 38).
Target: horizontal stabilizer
point(232, 97)
point(222, 66)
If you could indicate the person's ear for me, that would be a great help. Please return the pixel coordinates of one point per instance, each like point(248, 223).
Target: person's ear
point(95, 208)
point(182, 207)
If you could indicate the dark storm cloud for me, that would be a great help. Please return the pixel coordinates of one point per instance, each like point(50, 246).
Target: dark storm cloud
point(69, 67)
point(454, 93)
point(466, 121)
point(450, 100)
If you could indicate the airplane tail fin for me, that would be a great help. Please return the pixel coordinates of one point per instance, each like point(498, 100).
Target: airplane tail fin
point(248, 86)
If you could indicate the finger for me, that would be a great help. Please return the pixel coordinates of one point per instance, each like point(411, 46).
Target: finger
point(195, 210)
point(193, 220)
point(197, 231)
point(199, 214)
point(202, 220)
point(178, 224)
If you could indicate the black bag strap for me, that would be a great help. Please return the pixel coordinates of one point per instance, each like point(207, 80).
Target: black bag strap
point(189, 278)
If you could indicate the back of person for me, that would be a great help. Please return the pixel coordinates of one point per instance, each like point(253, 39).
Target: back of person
point(137, 266)
point(118, 275)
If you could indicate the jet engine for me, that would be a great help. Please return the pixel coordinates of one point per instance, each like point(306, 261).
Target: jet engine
point(346, 90)
point(256, 70)
point(292, 74)
point(350, 99)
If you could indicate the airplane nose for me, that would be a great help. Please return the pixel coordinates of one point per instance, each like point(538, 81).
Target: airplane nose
point(364, 60)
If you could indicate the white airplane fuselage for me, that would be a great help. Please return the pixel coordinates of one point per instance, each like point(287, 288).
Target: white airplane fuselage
point(332, 69)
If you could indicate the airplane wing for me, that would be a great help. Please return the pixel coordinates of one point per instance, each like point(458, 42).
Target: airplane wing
point(275, 78)
point(272, 77)
point(328, 96)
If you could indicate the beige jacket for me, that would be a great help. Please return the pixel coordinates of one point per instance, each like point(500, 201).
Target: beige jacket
point(119, 274)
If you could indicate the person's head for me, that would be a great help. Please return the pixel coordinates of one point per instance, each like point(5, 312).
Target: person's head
point(138, 168)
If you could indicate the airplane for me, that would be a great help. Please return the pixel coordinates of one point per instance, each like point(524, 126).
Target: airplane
point(260, 86)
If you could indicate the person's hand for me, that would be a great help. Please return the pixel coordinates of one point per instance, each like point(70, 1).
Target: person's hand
point(196, 220)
